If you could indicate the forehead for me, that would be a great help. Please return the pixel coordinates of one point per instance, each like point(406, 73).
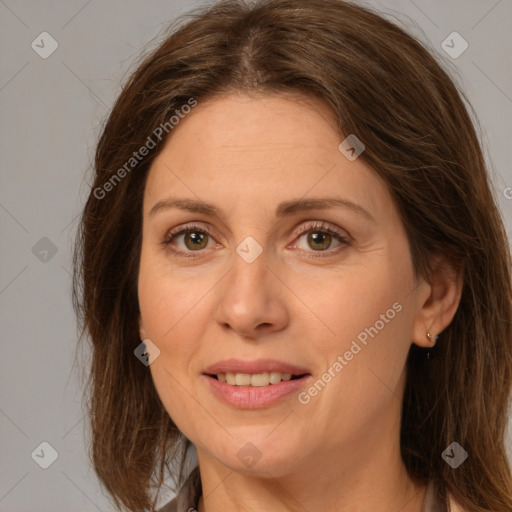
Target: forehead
point(262, 124)
point(259, 149)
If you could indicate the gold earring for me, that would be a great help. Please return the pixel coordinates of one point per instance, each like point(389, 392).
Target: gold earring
point(432, 338)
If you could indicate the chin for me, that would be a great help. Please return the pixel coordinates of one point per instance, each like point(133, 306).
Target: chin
point(260, 455)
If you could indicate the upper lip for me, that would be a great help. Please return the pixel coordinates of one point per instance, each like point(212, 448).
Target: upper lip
point(254, 366)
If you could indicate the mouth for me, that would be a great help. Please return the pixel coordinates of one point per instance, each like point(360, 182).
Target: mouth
point(255, 384)
point(256, 379)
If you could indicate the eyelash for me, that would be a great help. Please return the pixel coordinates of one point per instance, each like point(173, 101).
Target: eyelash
point(316, 226)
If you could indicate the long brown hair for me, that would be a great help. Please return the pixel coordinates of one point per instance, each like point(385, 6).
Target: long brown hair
point(386, 88)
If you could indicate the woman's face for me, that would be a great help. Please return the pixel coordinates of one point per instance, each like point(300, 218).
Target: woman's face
point(305, 269)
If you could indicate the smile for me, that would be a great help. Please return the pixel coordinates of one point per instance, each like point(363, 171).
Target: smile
point(256, 379)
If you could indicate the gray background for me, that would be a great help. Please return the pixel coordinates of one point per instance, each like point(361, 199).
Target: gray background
point(51, 112)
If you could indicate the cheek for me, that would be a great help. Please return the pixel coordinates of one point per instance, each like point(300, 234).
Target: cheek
point(172, 323)
point(361, 303)
point(165, 297)
point(172, 307)
point(369, 310)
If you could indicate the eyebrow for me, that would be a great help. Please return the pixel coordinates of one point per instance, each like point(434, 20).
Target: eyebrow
point(284, 209)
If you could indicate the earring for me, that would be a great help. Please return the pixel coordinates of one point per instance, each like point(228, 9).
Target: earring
point(432, 338)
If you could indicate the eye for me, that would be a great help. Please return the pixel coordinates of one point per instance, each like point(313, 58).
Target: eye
point(188, 238)
point(192, 238)
point(319, 237)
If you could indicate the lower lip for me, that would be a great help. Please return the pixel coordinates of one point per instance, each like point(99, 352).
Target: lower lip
point(253, 397)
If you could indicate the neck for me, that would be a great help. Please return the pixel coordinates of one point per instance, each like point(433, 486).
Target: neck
point(371, 476)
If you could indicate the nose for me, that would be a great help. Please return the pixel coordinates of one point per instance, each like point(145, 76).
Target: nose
point(252, 300)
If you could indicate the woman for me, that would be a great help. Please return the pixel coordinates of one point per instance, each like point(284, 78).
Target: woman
point(291, 259)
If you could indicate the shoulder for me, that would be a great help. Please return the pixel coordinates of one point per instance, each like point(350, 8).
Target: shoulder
point(171, 506)
point(187, 497)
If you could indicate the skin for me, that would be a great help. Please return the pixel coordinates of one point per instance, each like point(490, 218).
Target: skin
point(340, 451)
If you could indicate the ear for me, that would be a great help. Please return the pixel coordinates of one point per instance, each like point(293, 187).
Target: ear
point(142, 331)
point(442, 301)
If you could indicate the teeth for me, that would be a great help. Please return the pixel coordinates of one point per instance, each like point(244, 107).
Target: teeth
point(242, 379)
point(256, 379)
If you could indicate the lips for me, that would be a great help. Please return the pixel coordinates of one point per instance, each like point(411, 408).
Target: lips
point(254, 384)
point(254, 367)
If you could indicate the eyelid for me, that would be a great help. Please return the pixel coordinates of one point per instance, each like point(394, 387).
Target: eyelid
point(189, 226)
point(183, 228)
point(321, 225)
